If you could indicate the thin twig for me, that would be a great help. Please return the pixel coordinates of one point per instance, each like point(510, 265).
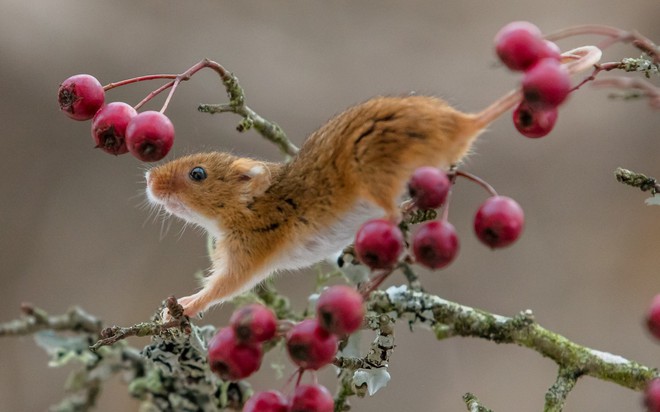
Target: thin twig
point(634, 179)
point(114, 334)
point(556, 396)
point(36, 319)
point(473, 404)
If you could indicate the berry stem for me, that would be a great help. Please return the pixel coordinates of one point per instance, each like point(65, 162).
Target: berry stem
point(111, 86)
point(478, 181)
point(270, 130)
point(153, 94)
point(615, 35)
point(649, 89)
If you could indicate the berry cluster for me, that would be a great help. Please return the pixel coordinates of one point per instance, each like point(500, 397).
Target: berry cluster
point(379, 243)
point(545, 84)
point(117, 127)
point(236, 351)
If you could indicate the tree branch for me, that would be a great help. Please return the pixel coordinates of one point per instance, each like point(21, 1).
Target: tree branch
point(521, 330)
point(36, 319)
point(270, 130)
point(114, 334)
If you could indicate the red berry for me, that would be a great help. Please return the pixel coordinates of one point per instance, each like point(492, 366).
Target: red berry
point(499, 221)
point(149, 136)
point(267, 401)
point(233, 360)
point(310, 346)
point(340, 310)
point(534, 123)
point(435, 244)
point(519, 45)
point(551, 50)
point(546, 85)
point(311, 398)
point(254, 323)
point(652, 396)
point(109, 127)
point(378, 243)
point(80, 96)
point(653, 317)
point(429, 187)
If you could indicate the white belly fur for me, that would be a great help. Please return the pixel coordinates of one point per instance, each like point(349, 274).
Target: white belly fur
point(329, 241)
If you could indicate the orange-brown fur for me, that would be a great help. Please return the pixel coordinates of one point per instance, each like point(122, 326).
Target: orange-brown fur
point(261, 210)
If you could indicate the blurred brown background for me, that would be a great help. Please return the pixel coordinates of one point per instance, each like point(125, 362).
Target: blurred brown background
point(73, 232)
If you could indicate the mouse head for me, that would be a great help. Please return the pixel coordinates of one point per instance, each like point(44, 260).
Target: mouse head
point(197, 187)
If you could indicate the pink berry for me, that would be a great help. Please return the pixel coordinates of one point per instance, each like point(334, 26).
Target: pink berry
point(311, 398)
point(149, 136)
point(80, 96)
point(435, 244)
point(429, 187)
point(267, 401)
point(254, 323)
point(499, 221)
point(340, 310)
point(378, 243)
point(519, 45)
point(109, 127)
point(233, 360)
point(653, 317)
point(652, 396)
point(551, 50)
point(310, 346)
point(546, 85)
point(534, 123)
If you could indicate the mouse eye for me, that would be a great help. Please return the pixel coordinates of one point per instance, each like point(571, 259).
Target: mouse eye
point(197, 174)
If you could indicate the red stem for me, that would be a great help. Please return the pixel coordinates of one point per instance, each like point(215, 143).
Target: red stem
point(111, 86)
point(176, 79)
point(478, 181)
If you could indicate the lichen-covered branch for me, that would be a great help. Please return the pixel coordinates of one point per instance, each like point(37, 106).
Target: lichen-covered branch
point(521, 330)
point(36, 319)
point(473, 404)
point(270, 130)
point(634, 179)
point(114, 334)
point(362, 375)
point(556, 395)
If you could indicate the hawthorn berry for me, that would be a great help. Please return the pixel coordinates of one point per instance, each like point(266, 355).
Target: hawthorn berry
point(499, 221)
point(653, 317)
point(310, 346)
point(149, 136)
point(267, 401)
point(231, 359)
point(378, 243)
point(519, 45)
point(340, 310)
point(534, 123)
point(80, 96)
point(109, 127)
point(254, 323)
point(551, 50)
point(428, 187)
point(311, 398)
point(546, 85)
point(652, 396)
point(435, 244)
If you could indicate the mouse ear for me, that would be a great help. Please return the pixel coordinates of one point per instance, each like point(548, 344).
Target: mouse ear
point(255, 174)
